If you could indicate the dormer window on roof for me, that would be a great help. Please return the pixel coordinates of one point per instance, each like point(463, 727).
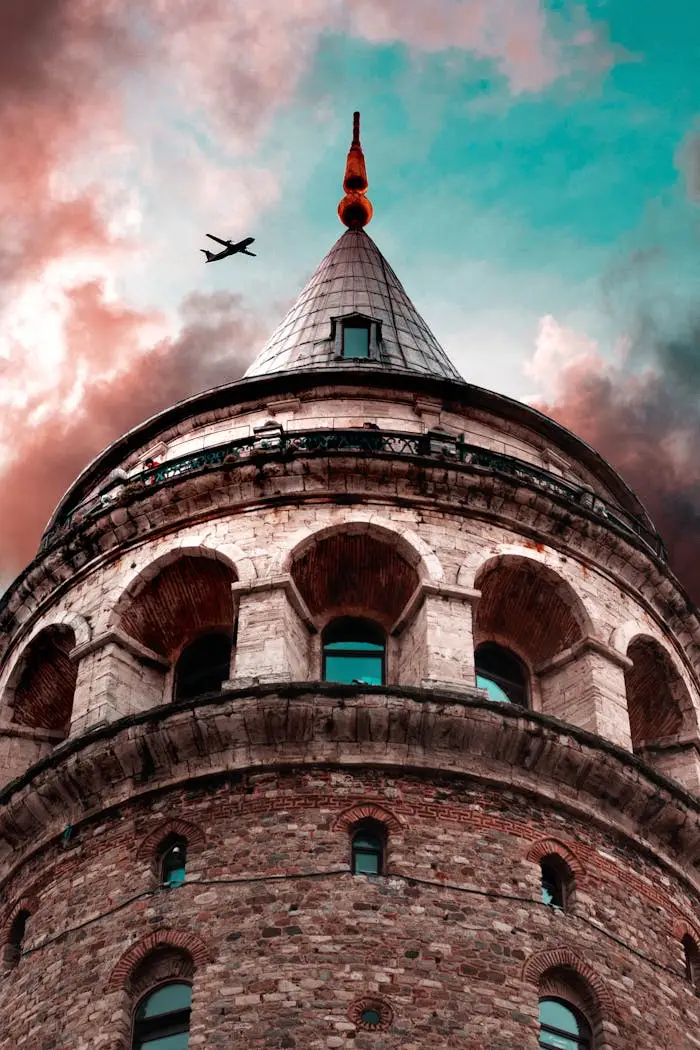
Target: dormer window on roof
point(356, 337)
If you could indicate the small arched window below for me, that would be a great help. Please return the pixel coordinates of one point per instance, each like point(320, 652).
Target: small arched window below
point(15, 940)
point(563, 1027)
point(692, 962)
point(162, 1020)
point(203, 666)
point(502, 674)
point(368, 848)
point(353, 652)
point(173, 862)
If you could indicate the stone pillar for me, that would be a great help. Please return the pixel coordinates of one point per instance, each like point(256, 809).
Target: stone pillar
point(273, 633)
point(117, 676)
point(436, 642)
point(585, 685)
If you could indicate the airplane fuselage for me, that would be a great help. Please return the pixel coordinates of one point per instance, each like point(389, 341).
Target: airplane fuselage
point(230, 248)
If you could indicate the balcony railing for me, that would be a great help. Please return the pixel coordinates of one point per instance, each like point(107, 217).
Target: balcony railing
point(272, 442)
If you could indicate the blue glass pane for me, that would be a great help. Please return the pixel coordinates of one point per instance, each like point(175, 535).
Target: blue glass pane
point(547, 895)
point(349, 669)
point(166, 1000)
point(167, 1042)
point(495, 692)
point(366, 863)
point(355, 646)
point(557, 1015)
point(365, 840)
point(355, 342)
point(174, 877)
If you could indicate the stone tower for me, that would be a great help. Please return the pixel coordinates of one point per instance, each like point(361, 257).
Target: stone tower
point(350, 705)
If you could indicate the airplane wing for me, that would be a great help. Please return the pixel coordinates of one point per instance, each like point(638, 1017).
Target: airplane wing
point(244, 251)
point(213, 238)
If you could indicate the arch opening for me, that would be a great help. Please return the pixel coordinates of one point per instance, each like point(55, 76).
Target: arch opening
point(45, 687)
point(656, 694)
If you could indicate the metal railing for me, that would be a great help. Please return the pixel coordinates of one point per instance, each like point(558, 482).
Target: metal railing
point(273, 442)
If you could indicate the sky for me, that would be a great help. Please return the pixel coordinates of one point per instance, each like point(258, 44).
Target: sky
point(534, 167)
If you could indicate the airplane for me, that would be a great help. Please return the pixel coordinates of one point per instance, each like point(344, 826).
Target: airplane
point(229, 248)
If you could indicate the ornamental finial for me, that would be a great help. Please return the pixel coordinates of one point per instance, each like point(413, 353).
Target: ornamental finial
point(355, 210)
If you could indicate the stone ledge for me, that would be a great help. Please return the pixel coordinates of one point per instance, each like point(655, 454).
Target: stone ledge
point(336, 725)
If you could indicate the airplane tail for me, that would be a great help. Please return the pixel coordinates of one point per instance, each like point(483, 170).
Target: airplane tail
point(209, 255)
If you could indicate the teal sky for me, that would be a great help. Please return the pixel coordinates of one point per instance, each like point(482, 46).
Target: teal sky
point(498, 206)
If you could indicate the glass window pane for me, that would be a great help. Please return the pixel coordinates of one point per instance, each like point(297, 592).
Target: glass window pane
point(493, 689)
point(350, 669)
point(166, 1000)
point(366, 840)
point(166, 1042)
point(355, 342)
point(366, 863)
point(558, 1015)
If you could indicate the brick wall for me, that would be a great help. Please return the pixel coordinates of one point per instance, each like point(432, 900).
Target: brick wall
point(446, 939)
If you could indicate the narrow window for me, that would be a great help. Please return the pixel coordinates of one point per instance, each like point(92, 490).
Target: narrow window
point(692, 962)
point(355, 339)
point(202, 666)
point(502, 674)
point(162, 1019)
point(173, 862)
point(552, 884)
point(15, 940)
point(353, 652)
point(563, 1027)
point(368, 848)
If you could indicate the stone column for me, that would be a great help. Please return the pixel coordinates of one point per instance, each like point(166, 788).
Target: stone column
point(273, 633)
point(585, 685)
point(117, 676)
point(436, 641)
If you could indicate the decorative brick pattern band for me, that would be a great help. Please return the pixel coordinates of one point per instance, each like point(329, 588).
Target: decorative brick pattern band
point(167, 938)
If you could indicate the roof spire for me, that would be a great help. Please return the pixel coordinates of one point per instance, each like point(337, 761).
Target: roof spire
point(355, 210)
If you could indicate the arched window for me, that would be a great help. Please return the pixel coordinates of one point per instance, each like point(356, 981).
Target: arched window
point(692, 961)
point(368, 848)
point(173, 861)
point(502, 674)
point(15, 940)
point(557, 882)
point(353, 652)
point(162, 1020)
point(563, 1027)
point(202, 666)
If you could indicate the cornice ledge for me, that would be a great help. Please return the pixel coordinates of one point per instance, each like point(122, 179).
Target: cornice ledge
point(123, 641)
point(585, 645)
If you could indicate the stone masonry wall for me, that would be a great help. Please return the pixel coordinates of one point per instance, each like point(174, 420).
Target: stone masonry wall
point(288, 940)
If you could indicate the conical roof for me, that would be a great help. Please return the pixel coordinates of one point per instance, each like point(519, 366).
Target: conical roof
point(354, 278)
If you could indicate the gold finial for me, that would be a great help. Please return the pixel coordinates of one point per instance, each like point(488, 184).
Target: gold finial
point(355, 210)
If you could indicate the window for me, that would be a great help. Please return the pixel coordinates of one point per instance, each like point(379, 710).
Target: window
point(368, 847)
point(355, 339)
point(202, 666)
point(692, 961)
point(162, 1019)
point(173, 862)
point(501, 673)
point(563, 1027)
point(15, 940)
point(553, 883)
point(353, 652)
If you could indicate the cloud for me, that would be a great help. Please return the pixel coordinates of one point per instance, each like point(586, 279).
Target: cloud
point(214, 346)
point(688, 162)
point(646, 423)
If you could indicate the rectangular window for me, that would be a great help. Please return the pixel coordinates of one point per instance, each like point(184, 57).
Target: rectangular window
point(355, 341)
